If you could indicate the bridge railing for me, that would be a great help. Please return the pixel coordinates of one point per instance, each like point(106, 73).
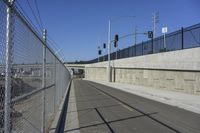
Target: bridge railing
point(33, 80)
point(181, 39)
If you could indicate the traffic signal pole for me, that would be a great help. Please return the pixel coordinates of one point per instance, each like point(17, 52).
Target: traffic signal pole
point(116, 50)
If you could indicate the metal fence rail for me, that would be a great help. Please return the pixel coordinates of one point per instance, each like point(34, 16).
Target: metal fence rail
point(33, 80)
point(182, 39)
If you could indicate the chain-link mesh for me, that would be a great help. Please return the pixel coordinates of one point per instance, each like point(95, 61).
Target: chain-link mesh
point(26, 78)
point(32, 107)
point(2, 60)
point(191, 36)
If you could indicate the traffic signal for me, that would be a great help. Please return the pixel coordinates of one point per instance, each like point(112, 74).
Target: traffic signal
point(99, 52)
point(116, 38)
point(104, 45)
point(115, 44)
point(150, 34)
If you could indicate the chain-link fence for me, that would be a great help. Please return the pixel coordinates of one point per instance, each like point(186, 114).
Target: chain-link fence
point(33, 80)
point(182, 39)
point(2, 61)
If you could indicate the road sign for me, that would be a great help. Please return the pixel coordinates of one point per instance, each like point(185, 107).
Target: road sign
point(164, 30)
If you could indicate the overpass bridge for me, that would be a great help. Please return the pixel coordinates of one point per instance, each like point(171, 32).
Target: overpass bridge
point(151, 90)
point(77, 69)
point(75, 66)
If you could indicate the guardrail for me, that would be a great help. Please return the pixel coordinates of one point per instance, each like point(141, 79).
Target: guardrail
point(33, 80)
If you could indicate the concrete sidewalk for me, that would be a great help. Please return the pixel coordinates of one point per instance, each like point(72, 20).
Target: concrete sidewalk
point(72, 121)
point(185, 101)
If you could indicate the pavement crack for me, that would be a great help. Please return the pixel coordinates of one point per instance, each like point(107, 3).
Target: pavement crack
point(112, 131)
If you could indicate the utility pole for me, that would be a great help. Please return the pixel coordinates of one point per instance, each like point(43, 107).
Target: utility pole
point(154, 25)
point(155, 21)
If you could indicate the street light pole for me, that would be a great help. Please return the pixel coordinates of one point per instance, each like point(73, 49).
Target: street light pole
point(109, 44)
point(109, 50)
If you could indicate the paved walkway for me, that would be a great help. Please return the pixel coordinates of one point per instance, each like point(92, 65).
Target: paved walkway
point(102, 109)
point(182, 100)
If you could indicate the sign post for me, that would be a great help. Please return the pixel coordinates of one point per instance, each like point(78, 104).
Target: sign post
point(164, 31)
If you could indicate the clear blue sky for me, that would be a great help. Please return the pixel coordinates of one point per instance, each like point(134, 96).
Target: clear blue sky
point(77, 25)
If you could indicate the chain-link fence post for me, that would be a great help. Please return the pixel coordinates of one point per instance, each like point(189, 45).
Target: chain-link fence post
point(182, 38)
point(152, 41)
point(44, 79)
point(142, 48)
point(54, 96)
point(7, 108)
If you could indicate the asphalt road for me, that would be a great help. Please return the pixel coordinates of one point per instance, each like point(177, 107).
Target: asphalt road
point(102, 109)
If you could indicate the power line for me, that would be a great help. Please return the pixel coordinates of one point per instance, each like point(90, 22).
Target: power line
point(155, 22)
point(36, 5)
point(55, 46)
point(26, 16)
point(53, 42)
point(50, 38)
point(41, 23)
point(38, 19)
point(23, 13)
point(32, 11)
point(52, 45)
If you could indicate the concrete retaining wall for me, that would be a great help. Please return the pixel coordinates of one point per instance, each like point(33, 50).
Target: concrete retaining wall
point(96, 73)
point(176, 71)
point(188, 82)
